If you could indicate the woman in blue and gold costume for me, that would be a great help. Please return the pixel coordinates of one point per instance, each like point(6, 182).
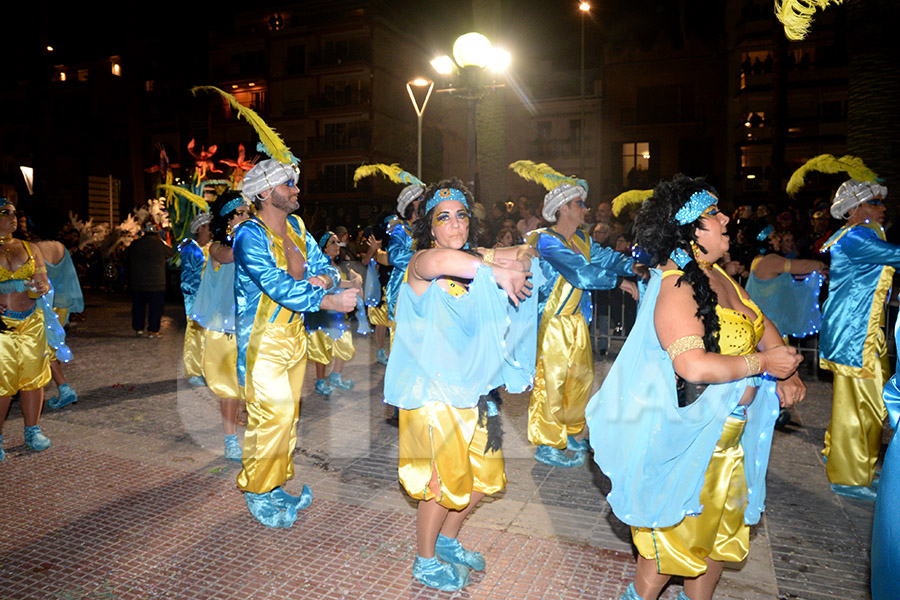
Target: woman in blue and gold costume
point(457, 337)
point(214, 311)
point(330, 338)
point(682, 425)
point(25, 316)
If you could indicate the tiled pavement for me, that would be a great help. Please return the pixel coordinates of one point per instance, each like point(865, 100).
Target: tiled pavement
point(134, 500)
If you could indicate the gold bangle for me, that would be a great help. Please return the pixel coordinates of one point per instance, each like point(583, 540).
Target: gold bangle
point(488, 257)
point(41, 269)
point(787, 266)
point(682, 345)
point(753, 364)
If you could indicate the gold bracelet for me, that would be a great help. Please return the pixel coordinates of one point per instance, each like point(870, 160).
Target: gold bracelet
point(41, 269)
point(787, 266)
point(682, 345)
point(488, 257)
point(753, 364)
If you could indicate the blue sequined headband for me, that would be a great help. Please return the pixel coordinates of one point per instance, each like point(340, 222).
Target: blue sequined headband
point(446, 194)
point(232, 205)
point(765, 233)
point(695, 206)
point(323, 241)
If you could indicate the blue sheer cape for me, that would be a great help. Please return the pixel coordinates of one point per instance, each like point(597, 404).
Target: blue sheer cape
point(791, 304)
point(214, 305)
point(656, 453)
point(456, 349)
point(65, 284)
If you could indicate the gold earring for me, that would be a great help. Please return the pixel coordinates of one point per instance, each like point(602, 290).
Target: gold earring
point(695, 250)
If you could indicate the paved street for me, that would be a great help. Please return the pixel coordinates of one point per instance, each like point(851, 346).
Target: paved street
point(135, 501)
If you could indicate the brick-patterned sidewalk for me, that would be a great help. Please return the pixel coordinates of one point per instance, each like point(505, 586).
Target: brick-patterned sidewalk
point(134, 500)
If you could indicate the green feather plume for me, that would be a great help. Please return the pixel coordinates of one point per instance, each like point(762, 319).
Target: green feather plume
point(628, 198)
point(272, 141)
point(392, 172)
point(544, 174)
point(797, 15)
point(176, 189)
point(826, 163)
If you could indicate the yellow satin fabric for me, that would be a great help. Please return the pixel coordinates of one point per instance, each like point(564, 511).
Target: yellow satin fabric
point(719, 532)
point(273, 407)
point(219, 366)
point(853, 438)
point(62, 314)
point(24, 355)
point(451, 441)
point(378, 315)
point(562, 381)
point(323, 349)
point(193, 349)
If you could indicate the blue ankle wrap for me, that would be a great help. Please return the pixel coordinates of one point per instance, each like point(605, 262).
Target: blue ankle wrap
point(451, 551)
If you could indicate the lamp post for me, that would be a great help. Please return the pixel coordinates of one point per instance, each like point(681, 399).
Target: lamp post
point(472, 54)
point(584, 7)
point(419, 82)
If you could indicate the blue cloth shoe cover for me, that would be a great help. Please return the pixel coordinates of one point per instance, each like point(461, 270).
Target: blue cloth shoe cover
point(36, 440)
point(323, 388)
point(630, 594)
point(557, 458)
point(197, 380)
point(447, 577)
point(283, 500)
point(2, 452)
point(382, 356)
point(451, 551)
point(682, 596)
point(860, 492)
point(233, 449)
point(335, 380)
point(577, 445)
point(266, 512)
point(66, 397)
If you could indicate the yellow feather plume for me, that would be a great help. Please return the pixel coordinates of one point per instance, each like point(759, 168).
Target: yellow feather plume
point(272, 141)
point(198, 200)
point(628, 198)
point(392, 172)
point(543, 174)
point(826, 163)
point(797, 15)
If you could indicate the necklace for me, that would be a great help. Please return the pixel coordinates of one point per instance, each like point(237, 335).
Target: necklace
point(4, 241)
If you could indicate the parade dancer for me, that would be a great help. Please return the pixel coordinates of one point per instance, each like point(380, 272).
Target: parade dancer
point(852, 342)
point(457, 338)
point(330, 338)
point(682, 425)
point(213, 310)
point(194, 254)
point(279, 274)
point(571, 264)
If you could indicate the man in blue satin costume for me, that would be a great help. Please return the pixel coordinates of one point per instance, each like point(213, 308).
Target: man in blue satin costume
point(571, 263)
point(852, 341)
point(280, 272)
point(194, 253)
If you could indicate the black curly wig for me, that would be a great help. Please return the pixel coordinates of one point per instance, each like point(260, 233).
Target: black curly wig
point(218, 227)
point(421, 229)
point(658, 235)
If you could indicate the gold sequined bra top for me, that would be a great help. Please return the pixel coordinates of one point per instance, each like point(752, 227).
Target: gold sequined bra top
point(26, 271)
point(738, 334)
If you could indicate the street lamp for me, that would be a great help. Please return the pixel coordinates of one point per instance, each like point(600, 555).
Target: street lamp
point(584, 7)
point(472, 53)
point(419, 82)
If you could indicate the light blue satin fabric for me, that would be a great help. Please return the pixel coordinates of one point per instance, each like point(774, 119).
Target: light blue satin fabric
point(332, 322)
point(886, 525)
point(214, 305)
point(791, 304)
point(56, 335)
point(858, 256)
point(558, 260)
point(372, 285)
point(65, 282)
point(192, 261)
point(655, 452)
point(399, 251)
point(256, 273)
point(456, 349)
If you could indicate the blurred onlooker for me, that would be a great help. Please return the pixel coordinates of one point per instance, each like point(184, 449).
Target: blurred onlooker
point(146, 262)
point(603, 213)
point(600, 234)
point(507, 237)
point(528, 220)
point(623, 244)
